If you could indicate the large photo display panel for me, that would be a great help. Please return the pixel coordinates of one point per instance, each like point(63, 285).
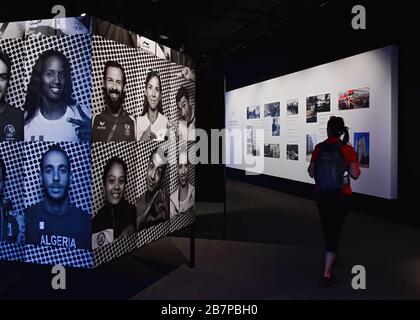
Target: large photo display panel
point(293, 110)
point(138, 211)
point(99, 157)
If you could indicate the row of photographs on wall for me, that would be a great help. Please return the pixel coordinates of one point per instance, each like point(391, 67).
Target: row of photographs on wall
point(273, 151)
point(51, 112)
point(274, 128)
point(52, 205)
point(91, 25)
point(270, 110)
point(347, 100)
point(361, 146)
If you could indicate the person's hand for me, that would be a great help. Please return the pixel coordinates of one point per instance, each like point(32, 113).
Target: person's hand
point(144, 216)
point(172, 126)
point(187, 74)
point(160, 207)
point(148, 134)
point(84, 126)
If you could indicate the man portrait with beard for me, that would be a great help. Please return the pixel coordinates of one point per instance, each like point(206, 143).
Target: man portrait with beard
point(55, 221)
point(114, 123)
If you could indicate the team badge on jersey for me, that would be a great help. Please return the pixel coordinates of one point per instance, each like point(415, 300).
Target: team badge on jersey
point(9, 132)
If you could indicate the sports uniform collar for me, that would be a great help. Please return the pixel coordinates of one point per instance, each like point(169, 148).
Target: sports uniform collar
point(121, 114)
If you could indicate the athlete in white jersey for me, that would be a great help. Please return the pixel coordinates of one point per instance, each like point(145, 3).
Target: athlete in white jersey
point(50, 112)
point(61, 129)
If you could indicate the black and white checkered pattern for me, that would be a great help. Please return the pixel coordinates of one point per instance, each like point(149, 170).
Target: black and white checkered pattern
point(114, 249)
point(153, 233)
point(12, 252)
point(182, 220)
point(78, 49)
point(16, 91)
point(59, 256)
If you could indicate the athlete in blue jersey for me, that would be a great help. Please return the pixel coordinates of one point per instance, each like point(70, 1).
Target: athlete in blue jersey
point(55, 221)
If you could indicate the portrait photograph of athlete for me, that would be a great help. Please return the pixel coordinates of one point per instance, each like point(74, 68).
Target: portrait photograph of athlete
point(153, 206)
point(114, 123)
point(117, 217)
point(50, 113)
point(55, 221)
point(152, 124)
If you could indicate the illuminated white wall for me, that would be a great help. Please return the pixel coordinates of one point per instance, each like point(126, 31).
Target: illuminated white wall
point(376, 70)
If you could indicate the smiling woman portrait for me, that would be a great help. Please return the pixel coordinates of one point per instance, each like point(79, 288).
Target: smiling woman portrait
point(152, 123)
point(50, 113)
point(117, 218)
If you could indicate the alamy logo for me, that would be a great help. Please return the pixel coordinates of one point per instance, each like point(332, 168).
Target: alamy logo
point(359, 20)
point(58, 282)
point(359, 280)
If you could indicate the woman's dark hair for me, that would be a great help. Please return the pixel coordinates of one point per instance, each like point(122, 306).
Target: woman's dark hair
point(7, 61)
point(109, 165)
point(149, 76)
point(336, 128)
point(33, 94)
point(182, 92)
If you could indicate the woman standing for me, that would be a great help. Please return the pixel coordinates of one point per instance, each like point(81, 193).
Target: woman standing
point(333, 162)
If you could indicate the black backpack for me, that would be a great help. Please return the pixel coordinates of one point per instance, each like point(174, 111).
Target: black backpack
point(330, 167)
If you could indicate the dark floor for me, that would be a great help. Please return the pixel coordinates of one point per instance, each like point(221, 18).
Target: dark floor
point(269, 247)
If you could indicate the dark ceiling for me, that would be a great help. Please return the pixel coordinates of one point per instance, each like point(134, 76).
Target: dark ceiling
point(214, 30)
point(204, 29)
